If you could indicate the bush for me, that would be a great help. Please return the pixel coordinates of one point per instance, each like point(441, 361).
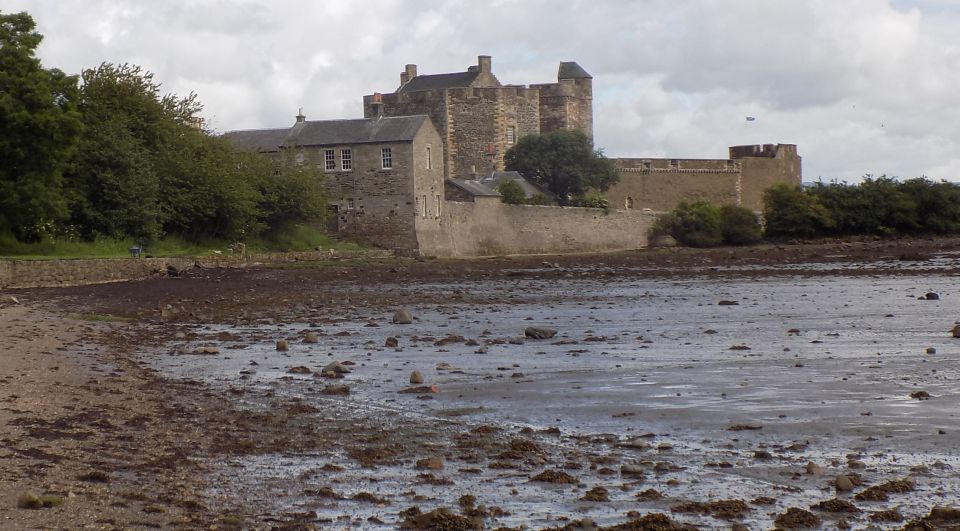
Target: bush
point(694, 225)
point(511, 193)
point(592, 200)
point(875, 206)
point(739, 226)
point(791, 212)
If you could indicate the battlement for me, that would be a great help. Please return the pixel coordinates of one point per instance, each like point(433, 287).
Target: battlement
point(769, 151)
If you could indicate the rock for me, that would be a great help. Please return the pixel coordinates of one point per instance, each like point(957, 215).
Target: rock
point(336, 367)
point(391, 342)
point(336, 390)
point(299, 370)
point(762, 454)
point(14, 300)
point(920, 395)
point(956, 330)
point(636, 442)
point(814, 469)
point(206, 351)
point(728, 303)
point(631, 470)
point(416, 378)
point(402, 316)
point(29, 500)
point(597, 494)
point(931, 296)
point(746, 426)
point(931, 350)
point(843, 483)
point(431, 463)
point(796, 518)
point(421, 390)
point(311, 337)
point(282, 345)
point(537, 332)
point(173, 271)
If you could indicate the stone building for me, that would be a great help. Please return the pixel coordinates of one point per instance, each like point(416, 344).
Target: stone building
point(661, 184)
point(384, 175)
point(479, 118)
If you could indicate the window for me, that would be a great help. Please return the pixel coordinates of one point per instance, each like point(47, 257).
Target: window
point(416, 208)
point(329, 160)
point(628, 203)
point(511, 135)
point(346, 160)
point(424, 211)
point(675, 164)
point(438, 206)
point(647, 164)
point(386, 155)
point(350, 204)
point(429, 159)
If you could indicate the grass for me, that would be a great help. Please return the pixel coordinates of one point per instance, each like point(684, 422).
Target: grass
point(290, 238)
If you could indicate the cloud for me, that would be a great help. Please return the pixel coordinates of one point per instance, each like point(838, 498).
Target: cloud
point(862, 86)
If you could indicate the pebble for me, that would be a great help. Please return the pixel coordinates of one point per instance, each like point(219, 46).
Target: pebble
point(282, 345)
point(416, 378)
point(402, 316)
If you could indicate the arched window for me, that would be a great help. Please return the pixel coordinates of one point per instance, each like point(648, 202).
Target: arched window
point(628, 203)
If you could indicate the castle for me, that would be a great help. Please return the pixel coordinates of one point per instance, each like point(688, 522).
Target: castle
point(415, 173)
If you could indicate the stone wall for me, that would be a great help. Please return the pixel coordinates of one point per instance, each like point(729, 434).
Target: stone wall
point(58, 273)
point(567, 104)
point(489, 227)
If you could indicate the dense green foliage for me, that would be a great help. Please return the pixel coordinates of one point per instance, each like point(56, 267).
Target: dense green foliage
point(115, 159)
point(39, 127)
point(563, 162)
point(511, 193)
point(591, 200)
point(739, 226)
point(694, 225)
point(789, 211)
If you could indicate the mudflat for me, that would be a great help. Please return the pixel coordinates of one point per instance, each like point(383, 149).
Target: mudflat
point(795, 385)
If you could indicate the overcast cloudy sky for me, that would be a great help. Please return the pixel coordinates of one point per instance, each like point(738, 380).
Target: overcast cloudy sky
point(861, 86)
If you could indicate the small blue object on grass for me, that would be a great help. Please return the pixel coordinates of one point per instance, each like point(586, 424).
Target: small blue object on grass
point(135, 252)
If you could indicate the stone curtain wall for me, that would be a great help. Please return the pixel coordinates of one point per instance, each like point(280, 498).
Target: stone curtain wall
point(58, 273)
point(663, 187)
point(488, 227)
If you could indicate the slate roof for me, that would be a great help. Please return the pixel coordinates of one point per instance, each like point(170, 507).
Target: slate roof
point(474, 188)
point(571, 70)
point(440, 81)
point(360, 131)
point(262, 140)
point(330, 132)
point(495, 179)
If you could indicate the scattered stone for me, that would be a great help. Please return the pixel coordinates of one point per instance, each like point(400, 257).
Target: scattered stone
point(931, 350)
point(596, 494)
point(939, 518)
point(555, 476)
point(631, 470)
point(391, 342)
point(890, 515)
point(336, 390)
point(336, 368)
point(437, 519)
point(740, 347)
point(763, 500)
point(402, 316)
point(930, 296)
point(424, 389)
point(451, 338)
point(880, 492)
point(956, 330)
point(416, 378)
point(814, 469)
point(796, 518)
point(836, 505)
point(843, 483)
point(282, 345)
point(206, 351)
point(430, 463)
point(537, 332)
point(762, 454)
point(723, 509)
point(311, 337)
point(728, 303)
point(649, 495)
point(637, 442)
point(746, 426)
point(920, 395)
point(793, 332)
point(299, 370)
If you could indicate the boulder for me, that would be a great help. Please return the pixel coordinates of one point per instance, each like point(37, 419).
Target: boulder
point(336, 367)
point(402, 316)
point(538, 332)
point(282, 345)
point(311, 337)
point(336, 390)
point(391, 342)
point(416, 378)
point(843, 483)
point(931, 296)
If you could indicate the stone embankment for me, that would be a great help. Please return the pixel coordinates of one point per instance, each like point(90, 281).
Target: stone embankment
point(55, 273)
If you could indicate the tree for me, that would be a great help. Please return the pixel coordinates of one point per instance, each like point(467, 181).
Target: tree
point(694, 225)
point(562, 161)
point(39, 128)
point(739, 226)
point(791, 212)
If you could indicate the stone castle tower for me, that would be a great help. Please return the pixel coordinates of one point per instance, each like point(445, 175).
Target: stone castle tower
point(479, 119)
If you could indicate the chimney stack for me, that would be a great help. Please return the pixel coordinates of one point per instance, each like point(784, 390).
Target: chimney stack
point(409, 72)
point(300, 117)
point(484, 64)
point(376, 105)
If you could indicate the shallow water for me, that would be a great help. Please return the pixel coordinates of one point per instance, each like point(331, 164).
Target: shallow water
point(638, 356)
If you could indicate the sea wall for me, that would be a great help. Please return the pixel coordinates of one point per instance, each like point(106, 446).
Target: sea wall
point(489, 227)
point(54, 273)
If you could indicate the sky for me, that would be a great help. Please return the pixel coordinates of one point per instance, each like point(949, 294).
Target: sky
point(862, 87)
